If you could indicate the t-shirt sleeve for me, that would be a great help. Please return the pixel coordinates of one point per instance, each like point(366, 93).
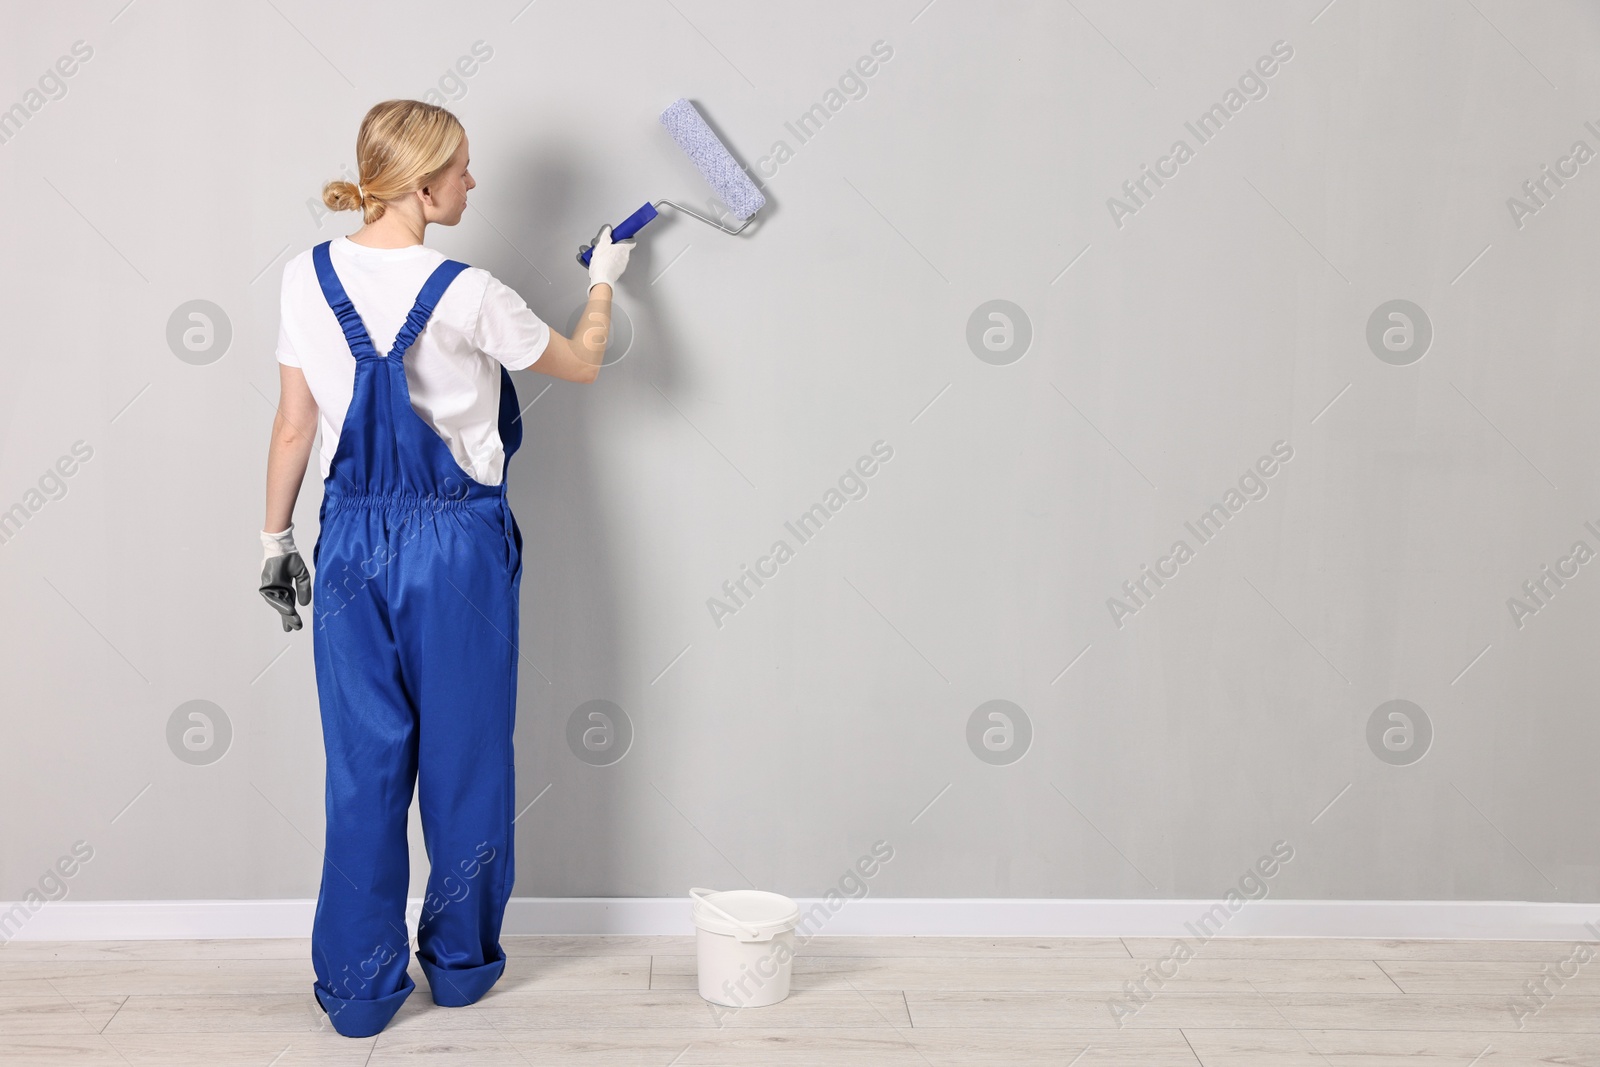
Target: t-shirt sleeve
point(286, 353)
point(508, 331)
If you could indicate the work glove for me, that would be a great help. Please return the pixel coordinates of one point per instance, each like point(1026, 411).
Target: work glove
point(284, 576)
point(607, 260)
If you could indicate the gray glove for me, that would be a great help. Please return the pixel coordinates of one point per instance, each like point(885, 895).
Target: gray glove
point(284, 577)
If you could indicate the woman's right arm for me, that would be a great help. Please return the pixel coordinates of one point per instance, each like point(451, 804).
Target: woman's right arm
point(578, 358)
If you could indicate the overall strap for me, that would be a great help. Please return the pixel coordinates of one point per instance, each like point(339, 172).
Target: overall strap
point(422, 310)
point(355, 332)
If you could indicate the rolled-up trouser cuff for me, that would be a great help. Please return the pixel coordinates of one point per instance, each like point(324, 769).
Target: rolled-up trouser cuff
point(362, 1018)
point(456, 988)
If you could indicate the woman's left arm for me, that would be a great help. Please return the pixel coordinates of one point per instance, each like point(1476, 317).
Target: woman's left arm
point(294, 430)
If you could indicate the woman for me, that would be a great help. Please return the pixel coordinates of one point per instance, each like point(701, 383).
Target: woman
point(418, 559)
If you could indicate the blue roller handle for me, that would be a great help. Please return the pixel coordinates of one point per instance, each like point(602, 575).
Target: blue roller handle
point(627, 227)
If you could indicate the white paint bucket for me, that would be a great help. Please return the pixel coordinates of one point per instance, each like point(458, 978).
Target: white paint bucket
point(744, 942)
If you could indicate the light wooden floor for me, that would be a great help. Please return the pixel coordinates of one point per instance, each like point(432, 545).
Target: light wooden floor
point(867, 1001)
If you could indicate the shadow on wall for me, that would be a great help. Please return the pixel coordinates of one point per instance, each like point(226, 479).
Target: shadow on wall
point(572, 638)
point(569, 626)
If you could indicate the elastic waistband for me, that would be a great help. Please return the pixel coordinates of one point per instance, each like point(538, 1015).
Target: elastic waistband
point(408, 501)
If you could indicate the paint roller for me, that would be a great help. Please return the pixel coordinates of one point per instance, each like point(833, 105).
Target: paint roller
point(726, 178)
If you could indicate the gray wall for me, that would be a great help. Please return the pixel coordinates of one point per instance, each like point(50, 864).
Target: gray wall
point(1170, 350)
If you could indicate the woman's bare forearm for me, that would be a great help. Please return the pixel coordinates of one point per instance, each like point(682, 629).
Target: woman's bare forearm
point(287, 458)
point(594, 328)
point(294, 431)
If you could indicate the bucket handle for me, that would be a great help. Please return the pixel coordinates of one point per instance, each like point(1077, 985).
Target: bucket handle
point(696, 894)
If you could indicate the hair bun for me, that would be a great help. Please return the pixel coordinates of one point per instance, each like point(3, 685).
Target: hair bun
point(401, 146)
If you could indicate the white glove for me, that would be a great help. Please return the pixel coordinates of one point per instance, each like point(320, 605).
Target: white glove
point(277, 544)
point(607, 260)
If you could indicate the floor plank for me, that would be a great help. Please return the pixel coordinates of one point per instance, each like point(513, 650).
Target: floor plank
point(1087, 975)
point(965, 947)
point(43, 1050)
point(322, 1049)
point(804, 1009)
point(1388, 1048)
point(160, 977)
point(56, 1014)
point(847, 1047)
point(829, 945)
point(1022, 1011)
point(1336, 948)
point(1500, 978)
point(281, 1013)
point(1462, 1012)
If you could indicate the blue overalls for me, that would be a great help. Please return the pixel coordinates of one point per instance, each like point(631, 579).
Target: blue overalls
point(418, 568)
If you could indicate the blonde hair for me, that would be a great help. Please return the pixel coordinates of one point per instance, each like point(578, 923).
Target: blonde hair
point(401, 146)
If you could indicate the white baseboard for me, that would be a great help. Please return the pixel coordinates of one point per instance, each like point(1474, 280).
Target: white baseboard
point(115, 920)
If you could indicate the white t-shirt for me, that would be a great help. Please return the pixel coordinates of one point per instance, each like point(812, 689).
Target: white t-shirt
point(453, 367)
